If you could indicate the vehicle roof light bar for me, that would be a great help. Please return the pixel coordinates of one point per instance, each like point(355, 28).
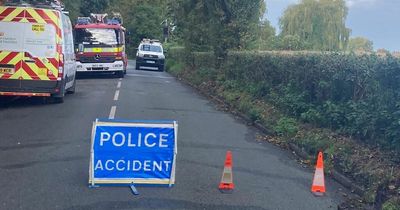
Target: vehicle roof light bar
point(101, 18)
point(45, 4)
point(84, 20)
point(151, 41)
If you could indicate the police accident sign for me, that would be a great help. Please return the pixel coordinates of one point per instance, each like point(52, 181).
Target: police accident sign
point(124, 152)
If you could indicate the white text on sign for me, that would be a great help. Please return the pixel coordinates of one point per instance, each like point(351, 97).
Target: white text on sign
point(120, 139)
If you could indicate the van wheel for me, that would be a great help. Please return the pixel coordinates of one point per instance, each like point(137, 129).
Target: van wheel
point(55, 99)
point(58, 98)
point(161, 68)
point(71, 90)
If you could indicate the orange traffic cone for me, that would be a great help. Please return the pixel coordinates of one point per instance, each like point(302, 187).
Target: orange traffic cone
point(226, 185)
point(318, 185)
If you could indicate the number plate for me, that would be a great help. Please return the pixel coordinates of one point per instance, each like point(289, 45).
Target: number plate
point(150, 61)
point(6, 70)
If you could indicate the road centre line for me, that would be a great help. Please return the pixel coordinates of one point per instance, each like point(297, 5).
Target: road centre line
point(119, 85)
point(112, 112)
point(116, 95)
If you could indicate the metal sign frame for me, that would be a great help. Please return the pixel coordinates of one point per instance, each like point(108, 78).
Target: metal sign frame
point(93, 181)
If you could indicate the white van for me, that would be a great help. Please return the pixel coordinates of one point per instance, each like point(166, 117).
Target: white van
point(36, 52)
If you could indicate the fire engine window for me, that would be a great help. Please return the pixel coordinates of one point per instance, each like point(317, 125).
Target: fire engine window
point(97, 36)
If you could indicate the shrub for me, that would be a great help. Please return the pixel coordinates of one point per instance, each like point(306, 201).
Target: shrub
point(357, 95)
point(286, 127)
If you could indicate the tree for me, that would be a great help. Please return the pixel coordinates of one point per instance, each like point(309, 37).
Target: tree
point(382, 51)
point(360, 44)
point(93, 6)
point(321, 23)
point(266, 39)
point(73, 7)
point(218, 25)
point(292, 42)
point(142, 18)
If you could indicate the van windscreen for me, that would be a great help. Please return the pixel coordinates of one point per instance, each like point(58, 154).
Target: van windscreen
point(39, 40)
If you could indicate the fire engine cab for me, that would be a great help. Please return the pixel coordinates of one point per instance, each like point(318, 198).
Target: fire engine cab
point(100, 44)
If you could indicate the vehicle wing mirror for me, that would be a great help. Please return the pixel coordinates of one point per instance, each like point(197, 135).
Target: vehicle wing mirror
point(81, 48)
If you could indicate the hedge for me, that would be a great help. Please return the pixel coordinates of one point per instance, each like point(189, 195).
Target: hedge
point(356, 95)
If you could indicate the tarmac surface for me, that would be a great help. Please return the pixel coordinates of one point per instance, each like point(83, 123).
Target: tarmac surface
point(44, 152)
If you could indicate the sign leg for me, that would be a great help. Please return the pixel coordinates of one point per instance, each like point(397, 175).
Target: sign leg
point(134, 190)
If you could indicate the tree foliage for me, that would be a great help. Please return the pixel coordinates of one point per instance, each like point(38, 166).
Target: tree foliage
point(218, 25)
point(360, 44)
point(93, 6)
point(73, 7)
point(320, 23)
point(142, 18)
point(356, 95)
point(265, 38)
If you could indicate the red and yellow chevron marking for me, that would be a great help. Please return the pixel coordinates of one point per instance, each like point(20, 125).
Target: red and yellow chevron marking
point(42, 68)
point(44, 16)
point(11, 14)
point(32, 15)
point(12, 58)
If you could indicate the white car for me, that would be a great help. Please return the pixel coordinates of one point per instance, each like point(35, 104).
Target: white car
point(150, 53)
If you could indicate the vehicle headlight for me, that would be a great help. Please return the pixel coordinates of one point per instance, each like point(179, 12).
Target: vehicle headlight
point(140, 55)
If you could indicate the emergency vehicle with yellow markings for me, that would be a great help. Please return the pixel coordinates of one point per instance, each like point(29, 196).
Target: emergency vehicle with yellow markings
point(37, 55)
point(100, 45)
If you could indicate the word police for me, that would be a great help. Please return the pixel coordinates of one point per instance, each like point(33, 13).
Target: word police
point(120, 139)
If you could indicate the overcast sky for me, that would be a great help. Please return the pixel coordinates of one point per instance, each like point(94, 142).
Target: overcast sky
point(377, 20)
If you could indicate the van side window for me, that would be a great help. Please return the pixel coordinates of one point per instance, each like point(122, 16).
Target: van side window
point(67, 38)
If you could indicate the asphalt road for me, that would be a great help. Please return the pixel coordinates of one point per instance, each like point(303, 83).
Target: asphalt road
point(44, 152)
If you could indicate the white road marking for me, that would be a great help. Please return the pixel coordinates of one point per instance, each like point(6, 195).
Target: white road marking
point(138, 75)
point(120, 79)
point(119, 85)
point(116, 95)
point(112, 112)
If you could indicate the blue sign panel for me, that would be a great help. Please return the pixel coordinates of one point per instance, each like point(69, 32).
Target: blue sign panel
point(133, 152)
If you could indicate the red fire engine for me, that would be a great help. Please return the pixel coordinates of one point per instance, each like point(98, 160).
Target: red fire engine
point(100, 44)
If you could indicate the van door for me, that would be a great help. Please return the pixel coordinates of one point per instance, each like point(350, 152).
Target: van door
point(29, 49)
point(41, 56)
point(11, 48)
